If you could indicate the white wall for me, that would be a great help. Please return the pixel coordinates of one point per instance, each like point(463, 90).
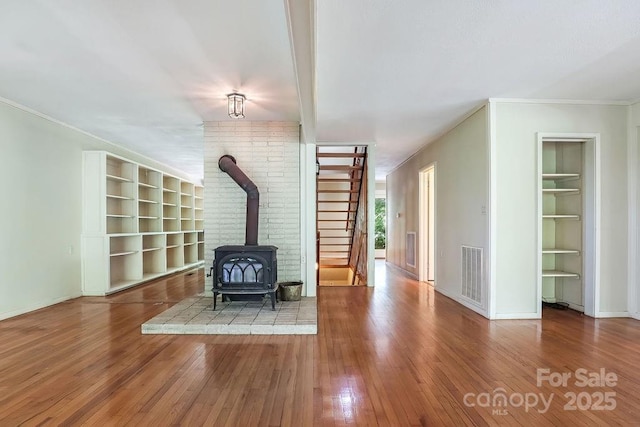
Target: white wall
point(381, 189)
point(461, 186)
point(40, 171)
point(41, 215)
point(269, 154)
point(516, 197)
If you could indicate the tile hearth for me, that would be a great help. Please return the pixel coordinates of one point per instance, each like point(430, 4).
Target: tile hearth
point(194, 315)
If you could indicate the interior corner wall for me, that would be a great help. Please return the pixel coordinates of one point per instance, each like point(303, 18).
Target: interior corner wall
point(41, 171)
point(634, 210)
point(269, 154)
point(517, 125)
point(461, 182)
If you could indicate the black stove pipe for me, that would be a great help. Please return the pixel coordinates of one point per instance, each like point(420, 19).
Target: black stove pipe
point(227, 164)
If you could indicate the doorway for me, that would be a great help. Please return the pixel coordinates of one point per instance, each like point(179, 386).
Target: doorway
point(427, 230)
point(342, 215)
point(568, 221)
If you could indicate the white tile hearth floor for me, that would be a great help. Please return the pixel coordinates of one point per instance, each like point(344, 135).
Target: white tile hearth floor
point(194, 315)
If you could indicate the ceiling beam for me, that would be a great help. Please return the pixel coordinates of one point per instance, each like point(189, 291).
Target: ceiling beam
point(301, 23)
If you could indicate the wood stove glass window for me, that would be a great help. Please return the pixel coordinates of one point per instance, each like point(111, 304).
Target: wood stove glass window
point(243, 270)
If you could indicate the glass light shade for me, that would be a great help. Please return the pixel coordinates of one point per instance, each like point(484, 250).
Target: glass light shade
point(236, 105)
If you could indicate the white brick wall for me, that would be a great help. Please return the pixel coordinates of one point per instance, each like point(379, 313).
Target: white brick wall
point(268, 153)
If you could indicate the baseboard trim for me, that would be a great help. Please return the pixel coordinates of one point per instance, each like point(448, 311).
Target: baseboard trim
point(401, 270)
point(463, 302)
point(609, 314)
point(37, 306)
point(517, 316)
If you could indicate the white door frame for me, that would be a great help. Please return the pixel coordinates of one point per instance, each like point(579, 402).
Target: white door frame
point(427, 221)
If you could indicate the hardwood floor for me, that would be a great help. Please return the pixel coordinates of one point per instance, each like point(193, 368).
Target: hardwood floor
point(398, 355)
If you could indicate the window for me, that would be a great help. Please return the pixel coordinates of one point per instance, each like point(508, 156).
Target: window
point(380, 228)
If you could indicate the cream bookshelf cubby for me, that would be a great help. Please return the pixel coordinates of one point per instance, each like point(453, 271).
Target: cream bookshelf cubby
point(170, 204)
point(138, 224)
point(198, 207)
point(154, 255)
point(190, 247)
point(149, 200)
point(175, 251)
point(186, 206)
point(200, 245)
point(120, 197)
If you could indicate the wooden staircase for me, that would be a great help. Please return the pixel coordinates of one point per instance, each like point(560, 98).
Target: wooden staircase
point(339, 183)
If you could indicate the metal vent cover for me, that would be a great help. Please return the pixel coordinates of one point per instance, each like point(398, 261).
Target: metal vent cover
point(410, 249)
point(472, 273)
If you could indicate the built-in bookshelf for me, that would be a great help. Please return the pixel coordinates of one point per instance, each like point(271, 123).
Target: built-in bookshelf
point(139, 223)
point(562, 222)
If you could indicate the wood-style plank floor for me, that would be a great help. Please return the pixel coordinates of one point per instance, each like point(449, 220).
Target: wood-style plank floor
point(396, 355)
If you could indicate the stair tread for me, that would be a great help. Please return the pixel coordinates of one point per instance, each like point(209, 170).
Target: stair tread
point(334, 155)
point(335, 228)
point(337, 201)
point(339, 168)
point(322, 180)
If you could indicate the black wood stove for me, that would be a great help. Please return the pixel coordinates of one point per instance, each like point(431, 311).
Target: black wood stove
point(250, 271)
point(243, 271)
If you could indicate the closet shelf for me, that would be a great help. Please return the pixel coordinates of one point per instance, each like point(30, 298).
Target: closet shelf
point(560, 216)
point(147, 201)
point(560, 191)
point(560, 176)
point(560, 251)
point(119, 216)
point(559, 273)
point(115, 196)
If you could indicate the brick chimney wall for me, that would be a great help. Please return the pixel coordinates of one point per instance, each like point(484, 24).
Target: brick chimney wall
point(269, 154)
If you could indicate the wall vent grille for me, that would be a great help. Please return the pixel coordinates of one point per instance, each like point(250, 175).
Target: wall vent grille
point(472, 273)
point(411, 248)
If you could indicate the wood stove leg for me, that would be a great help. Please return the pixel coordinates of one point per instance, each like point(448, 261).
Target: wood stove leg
point(215, 299)
point(273, 301)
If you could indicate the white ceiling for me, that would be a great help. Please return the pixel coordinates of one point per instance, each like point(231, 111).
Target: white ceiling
point(145, 74)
